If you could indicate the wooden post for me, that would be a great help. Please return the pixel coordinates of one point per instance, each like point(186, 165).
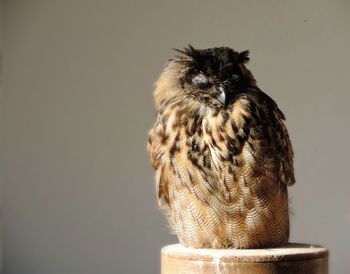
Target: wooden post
point(291, 259)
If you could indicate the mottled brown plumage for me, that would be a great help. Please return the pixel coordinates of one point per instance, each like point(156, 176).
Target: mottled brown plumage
point(221, 152)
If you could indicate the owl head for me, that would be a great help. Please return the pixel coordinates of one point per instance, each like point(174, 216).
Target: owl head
point(213, 76)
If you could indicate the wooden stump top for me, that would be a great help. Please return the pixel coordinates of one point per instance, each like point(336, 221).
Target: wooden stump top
point(292, 258)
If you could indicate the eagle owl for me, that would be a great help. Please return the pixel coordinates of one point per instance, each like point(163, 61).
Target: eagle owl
point(221, 153)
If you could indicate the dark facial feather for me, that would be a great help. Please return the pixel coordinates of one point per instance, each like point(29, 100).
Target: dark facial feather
point(215, 75)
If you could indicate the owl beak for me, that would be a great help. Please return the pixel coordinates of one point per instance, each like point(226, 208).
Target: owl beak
point(222, 95)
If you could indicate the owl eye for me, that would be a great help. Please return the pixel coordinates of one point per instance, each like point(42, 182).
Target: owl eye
point(235, 77)
point(201, 81)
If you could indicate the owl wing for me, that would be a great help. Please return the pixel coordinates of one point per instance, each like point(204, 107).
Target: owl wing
point(267, 122)
point(286, 153)
point(156, 148)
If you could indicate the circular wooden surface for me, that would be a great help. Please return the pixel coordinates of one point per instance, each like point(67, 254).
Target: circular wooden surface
point(289, 259)
point(291, 252)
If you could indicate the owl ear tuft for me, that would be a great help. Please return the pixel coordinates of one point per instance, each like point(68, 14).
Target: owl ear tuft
point(243, 57)
point(190, 52)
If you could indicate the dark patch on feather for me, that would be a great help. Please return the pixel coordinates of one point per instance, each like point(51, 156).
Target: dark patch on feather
point(174, 146)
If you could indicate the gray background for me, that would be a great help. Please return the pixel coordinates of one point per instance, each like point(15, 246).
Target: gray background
point(78, 192)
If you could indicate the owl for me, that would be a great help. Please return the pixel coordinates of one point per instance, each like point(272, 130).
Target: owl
point(221, 152)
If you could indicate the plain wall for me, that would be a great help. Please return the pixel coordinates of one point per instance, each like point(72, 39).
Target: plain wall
point(78, 188)
point(1, 113)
